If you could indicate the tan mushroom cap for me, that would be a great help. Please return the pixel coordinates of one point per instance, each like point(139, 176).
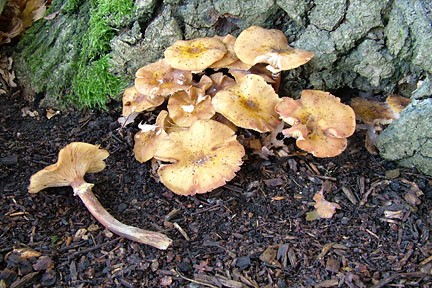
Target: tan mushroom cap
point(372, 112)
point(397, 103)
point(149, 137)
point(160, 79)
point(133, 101)
point(185, 107)
point(319, 121)
point(196, 54)
point(74, 161)
point(249, 104)
point(259, 45)
point(202, 158)
point(230, 57)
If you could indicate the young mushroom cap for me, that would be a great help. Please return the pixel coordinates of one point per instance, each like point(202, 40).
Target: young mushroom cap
point(249, 104)
point(160, 79)
point(319, 122)
point(149, 137)
point(397, 103)
point(133, 101)
point(185, 107)
point(372, 112)
point(74, 161)
point(230, 57)
point(196, 54)
point(219, 82)
point(259, 45)
point(202, 158)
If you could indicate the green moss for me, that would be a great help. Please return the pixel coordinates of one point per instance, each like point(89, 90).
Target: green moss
point(94, 84)
point(72, 5)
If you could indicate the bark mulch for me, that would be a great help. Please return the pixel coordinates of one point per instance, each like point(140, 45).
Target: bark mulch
point(252, 232)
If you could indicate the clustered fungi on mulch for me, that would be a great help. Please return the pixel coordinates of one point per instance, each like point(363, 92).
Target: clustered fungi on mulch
point(250, 233)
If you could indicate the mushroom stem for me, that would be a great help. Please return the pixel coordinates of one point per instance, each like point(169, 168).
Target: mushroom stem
point(155, 239)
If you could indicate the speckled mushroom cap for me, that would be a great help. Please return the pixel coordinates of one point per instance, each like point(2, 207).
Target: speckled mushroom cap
point(74, 161)
point(319, 121)
point(133, 101)
point(201, 158)
point(259, 45)
point(160, 79)
point(196, 54)
point(372, 112)
point(249, 104)
point(230, 57)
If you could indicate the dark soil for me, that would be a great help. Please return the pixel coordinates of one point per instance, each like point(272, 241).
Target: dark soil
point(250, 233)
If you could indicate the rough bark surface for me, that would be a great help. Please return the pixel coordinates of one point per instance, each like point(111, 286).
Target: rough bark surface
point(375, 46)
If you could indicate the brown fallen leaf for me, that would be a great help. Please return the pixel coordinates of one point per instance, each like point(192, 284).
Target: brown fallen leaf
point(323, 208)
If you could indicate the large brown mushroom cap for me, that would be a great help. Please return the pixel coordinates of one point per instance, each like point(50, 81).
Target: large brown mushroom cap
point(259, 45)
point(202, 158)
point(319, 122)
point(196, 54)
point(74, 161)
point(249, 104)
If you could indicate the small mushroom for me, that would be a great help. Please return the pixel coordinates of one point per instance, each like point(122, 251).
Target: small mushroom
point(134, 102)
point(230, 57)
point(397, 103)
point(74, 161)
point(149, 137)
point(319, 121)
point(259, 45)
point(249, 104)
point(160, 79)
point(196, 54)
point(185, 107)
point(375, 113)
point(201, 158)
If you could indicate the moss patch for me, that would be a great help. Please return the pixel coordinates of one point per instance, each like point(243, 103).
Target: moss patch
point(67, 58)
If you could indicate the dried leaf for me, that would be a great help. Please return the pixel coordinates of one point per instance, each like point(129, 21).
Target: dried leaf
point(51, 113)
point(323, 208)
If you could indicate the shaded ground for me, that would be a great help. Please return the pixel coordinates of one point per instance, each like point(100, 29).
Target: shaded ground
point(250, 233)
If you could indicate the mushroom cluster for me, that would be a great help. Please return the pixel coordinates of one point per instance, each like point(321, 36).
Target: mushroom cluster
point(206, 88)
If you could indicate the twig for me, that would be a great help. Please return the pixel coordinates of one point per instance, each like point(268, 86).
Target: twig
point(194, 281)
point(182, 232)
point(74, 254)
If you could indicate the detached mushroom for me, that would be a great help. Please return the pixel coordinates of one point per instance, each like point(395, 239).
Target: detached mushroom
point(249, 104)
point(196, 54)
point(201, 158)
point(74, 161)
point(160, 79)
point(319, 121)
point(259, 45)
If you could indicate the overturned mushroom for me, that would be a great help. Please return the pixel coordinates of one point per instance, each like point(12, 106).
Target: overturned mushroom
point(74, 161)
point(196, 54)
point(249, 104)
point(319, 121)
point(201, 158)
point(259, 45)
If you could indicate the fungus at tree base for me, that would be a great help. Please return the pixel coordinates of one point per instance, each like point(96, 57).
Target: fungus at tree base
point(319, 121)
point(249, 104)
point(201, 158)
